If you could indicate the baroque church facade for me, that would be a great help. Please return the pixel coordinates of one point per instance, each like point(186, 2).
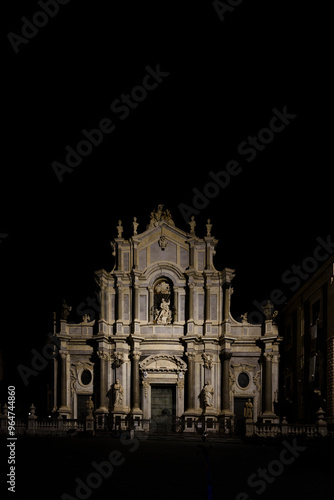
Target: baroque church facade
point(166, 352)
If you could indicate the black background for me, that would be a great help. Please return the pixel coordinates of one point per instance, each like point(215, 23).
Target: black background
point(225, 79)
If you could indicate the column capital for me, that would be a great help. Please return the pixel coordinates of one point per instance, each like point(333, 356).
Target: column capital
point(226, 356)
point(63, 354)
point(191, 356)
point(118, 359)
point(268, 356)
point(136, 355)
point(103, 355)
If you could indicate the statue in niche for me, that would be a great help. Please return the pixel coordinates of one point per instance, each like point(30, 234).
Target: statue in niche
point(208, 391)
point(164, 315)
point(248, 410)
point(118, 393)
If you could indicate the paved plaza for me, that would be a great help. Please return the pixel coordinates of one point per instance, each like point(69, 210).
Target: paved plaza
point(151, 469)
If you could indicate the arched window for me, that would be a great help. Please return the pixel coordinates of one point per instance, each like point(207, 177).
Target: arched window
point(163, 302)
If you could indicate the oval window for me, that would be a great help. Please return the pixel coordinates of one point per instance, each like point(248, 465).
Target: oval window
point(243, 380)
point(86, 377)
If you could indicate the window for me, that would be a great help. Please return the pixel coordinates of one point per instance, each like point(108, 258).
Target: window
point(243, 380)
point(86, 377)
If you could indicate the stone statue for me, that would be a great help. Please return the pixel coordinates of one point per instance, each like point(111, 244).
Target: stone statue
point(248, 410)
point(160, 215)
point(208, 394)
point(89, 406)
point(118, 393)
point(135, 225)
point(65, 310)
point(119, 229)
point(164, 315)
point(208, 227)
point(192, 224)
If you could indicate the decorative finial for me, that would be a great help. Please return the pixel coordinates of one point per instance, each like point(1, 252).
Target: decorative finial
point(208, 227)
point(119, 229)
point(135, 226)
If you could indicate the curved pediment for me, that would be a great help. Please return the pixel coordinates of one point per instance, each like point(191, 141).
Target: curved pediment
point(163, 363)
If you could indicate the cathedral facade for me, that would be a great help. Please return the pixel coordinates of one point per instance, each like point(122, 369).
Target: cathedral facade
point(166, 352)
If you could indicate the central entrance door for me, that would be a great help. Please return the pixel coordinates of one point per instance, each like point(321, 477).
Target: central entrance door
point(163, 408)
point(239, 406)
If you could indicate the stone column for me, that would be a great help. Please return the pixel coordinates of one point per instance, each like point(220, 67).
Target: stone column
point(135, 300)
point(225, 384)
point(191, 382)
point(191, 301)
point(207, 302)
point(176, 305)
point(103, 287)
point(135, 382)
point(104, 357)
point(55, 381)
point(63, 388)
point(151, 304)
point(119, 302)
point(267, 393)
point(226, 302)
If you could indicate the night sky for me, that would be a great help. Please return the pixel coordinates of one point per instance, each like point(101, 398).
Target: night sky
point(221, 83)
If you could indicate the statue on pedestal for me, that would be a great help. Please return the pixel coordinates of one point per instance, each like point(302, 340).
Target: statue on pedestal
point(248, 410)
point(89, 406)
point(118, 393)
point(164, 315)
point(208, 394)
point(65, 310)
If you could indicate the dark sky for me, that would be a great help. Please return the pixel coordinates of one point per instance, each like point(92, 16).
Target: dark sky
point(222, 81)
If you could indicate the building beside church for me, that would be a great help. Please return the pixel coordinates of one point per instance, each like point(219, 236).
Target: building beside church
point(307, 368)
point(165, 352)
